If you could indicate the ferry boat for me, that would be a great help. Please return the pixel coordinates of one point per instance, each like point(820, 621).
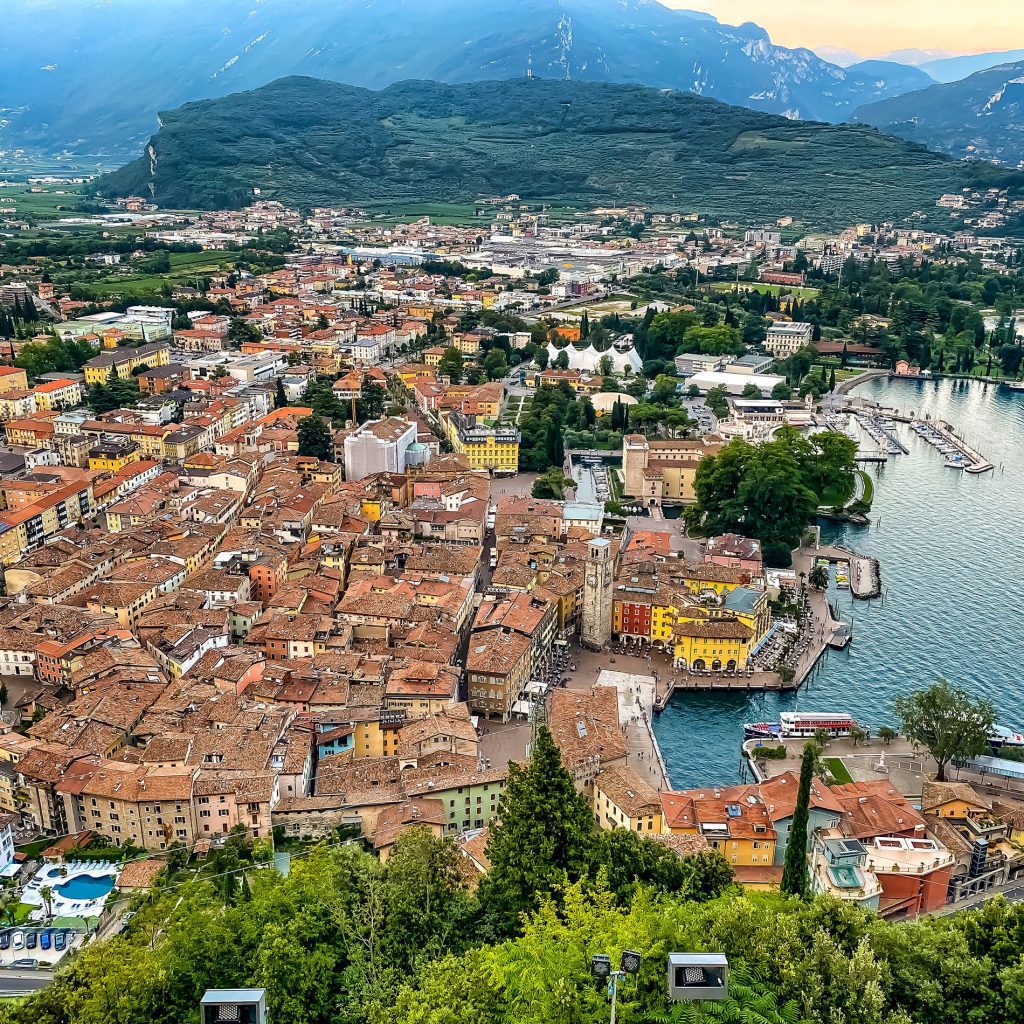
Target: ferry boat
point(1003, 737)
point(801, 724)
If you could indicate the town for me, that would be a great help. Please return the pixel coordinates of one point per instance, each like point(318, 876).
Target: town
point(312, 524)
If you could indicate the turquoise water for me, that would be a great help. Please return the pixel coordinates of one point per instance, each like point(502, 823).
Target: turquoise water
point(951, 548)
point(86, 887)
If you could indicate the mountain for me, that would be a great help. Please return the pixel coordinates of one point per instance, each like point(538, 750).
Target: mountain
point(899, 78)
point(309, 142)
point(915, 56)
point(840, 55)
point(980, 117)
point(952, 69)
point(89, 76)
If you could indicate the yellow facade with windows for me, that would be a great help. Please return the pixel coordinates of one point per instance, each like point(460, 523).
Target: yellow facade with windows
point(112, 462)
point(122, 361)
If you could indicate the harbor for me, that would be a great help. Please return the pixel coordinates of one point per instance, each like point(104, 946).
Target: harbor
point(933, 616)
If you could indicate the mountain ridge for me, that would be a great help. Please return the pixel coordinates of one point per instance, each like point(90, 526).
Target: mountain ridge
point(980, 117)
point(313, 142)
point(63, 90)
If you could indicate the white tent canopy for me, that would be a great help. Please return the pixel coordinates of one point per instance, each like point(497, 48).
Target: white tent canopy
point(622, 355)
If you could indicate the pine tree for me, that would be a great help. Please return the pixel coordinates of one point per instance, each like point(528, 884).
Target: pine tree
point(795, 878)
point(585, 326)
point(281, 399)
point(832, 380)
point(544, 836)
point(315, 438)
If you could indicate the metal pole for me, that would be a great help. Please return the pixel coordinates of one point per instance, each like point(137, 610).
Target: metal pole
point(613, 984)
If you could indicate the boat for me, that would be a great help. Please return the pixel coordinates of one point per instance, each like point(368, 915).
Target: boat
point(1017, 385)
point(801, 724)
point(807, 723)
point(1000, 736)
point(761, 730)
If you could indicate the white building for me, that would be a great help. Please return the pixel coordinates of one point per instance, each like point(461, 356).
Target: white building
point(785, 338)
point(379, 446)
point(734, 383)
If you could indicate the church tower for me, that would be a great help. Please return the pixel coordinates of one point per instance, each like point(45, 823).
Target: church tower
point(596, 631)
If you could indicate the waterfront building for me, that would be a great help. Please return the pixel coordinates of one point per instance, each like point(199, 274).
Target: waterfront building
point(662, 471)
point(623, 799)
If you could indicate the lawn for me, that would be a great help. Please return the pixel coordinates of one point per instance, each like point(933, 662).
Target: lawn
point(33, 849)
point(869, 487)
point(838, 769)
point(773, 289)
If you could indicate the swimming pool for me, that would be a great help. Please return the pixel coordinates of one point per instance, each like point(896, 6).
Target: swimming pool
point(85, 887)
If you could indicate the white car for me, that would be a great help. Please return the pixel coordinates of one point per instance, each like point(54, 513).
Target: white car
point(18, 942)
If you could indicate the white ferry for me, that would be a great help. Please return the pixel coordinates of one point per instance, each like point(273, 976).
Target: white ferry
point(1002, 737)
point(798, 724)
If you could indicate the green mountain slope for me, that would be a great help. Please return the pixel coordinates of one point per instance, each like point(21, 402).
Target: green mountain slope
point(310, 142)
point(981, 116)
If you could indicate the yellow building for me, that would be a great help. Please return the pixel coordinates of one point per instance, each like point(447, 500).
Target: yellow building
point(58, 394)
point(735, 821)
point(120, 362)
point(13, 378)
point(494, 448)
point(113, 456)
point(622, 799)
point(714, 644)
point(432, 356)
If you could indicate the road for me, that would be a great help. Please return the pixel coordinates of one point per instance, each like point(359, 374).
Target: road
point(18, 981)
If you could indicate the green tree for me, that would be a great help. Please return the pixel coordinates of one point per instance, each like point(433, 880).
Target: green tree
point(544, 836)
point(795, 878)
point(280, 398)
point(946, 720)
point(450, 365)
point(427, 897)
point(315, 438)
point(495, 364)
point(371, 401)
point(562, 360)
point(818, 577)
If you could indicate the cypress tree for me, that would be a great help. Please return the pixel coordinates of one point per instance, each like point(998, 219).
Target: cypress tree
point(795, 878)
point(544, 836)
point(832, 380)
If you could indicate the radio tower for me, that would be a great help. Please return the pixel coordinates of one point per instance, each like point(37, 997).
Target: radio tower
point(529, 66)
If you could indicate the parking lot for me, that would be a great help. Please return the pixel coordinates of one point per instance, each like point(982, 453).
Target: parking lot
point(35, 947)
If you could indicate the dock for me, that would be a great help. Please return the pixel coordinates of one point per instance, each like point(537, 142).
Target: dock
point(976, 462)
point(865, 572)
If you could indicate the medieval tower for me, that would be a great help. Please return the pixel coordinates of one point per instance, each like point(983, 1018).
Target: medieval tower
point(596, 631)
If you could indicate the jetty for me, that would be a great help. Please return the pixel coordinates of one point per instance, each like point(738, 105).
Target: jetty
point(974, 462)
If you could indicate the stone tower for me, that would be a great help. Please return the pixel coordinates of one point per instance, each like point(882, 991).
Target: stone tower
point(596, 632)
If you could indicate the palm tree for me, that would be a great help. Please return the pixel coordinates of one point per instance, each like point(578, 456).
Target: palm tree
point(46, 895)
point(818, 577)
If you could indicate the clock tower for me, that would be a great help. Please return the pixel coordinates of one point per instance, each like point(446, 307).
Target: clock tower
point(596, 632)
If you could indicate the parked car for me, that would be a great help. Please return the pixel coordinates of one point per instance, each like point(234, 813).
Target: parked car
point(30, 940)
point(18, 941)
point(44, 940)
point(59, 942)
point(5, 940)
point(26, 961)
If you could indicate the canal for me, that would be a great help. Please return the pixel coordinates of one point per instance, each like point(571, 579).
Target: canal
point(951, 548)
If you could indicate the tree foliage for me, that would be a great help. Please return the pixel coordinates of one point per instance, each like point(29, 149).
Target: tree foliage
point(947, 720)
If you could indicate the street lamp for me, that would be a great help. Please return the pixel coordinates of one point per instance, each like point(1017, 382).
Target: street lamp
point(601, 967)
point(237, 1005)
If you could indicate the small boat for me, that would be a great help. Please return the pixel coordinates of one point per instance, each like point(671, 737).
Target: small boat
point(1017, 385)
point(761, 730)
point(957, 462)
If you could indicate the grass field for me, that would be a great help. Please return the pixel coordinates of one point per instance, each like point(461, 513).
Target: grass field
point(33, 206)
point(771, 289)
point(838, 769)
point(185, 267)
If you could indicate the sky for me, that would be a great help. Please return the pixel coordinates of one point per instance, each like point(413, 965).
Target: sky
point(870, 27)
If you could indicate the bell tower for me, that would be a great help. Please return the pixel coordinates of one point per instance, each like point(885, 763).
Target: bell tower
point(596, 632)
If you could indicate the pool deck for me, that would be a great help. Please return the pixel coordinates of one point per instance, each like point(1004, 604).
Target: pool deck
point(65, 906)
